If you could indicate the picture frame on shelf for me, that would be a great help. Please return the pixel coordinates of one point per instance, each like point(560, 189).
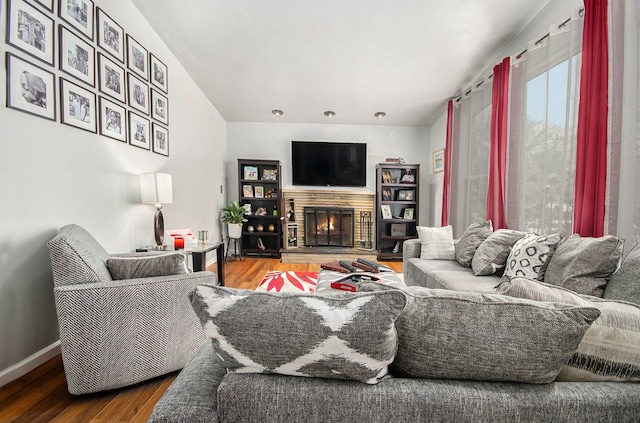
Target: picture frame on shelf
point(159, 73)
point(30, 88)
point(438, 161)
point(386, 211)
point(111, 78)
point(78, 106)
point(78, 14)
point(77, 57)
point(139, 131)
point(386, 177)
point(387, 194)
point(160, 139)
point(138, 93)
point(251, 173)
point(258, 191)
point(247, 191)
point(407, 213)
point(247, 208)
point(159, 107)
point(137, 58)
point(269, 174)
point(31, 30)
point(113, 120)
point(405, 195)
point(47, 4)
point(110, 35)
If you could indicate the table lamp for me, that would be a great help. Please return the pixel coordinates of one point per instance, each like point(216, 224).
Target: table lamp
point(156, 188)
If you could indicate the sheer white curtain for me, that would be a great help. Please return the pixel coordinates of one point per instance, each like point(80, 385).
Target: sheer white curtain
point(470, 157)
point(542, 131)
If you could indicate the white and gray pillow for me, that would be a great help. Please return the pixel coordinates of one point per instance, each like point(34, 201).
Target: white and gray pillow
point(339, 336)
point(610, 348)
point(146, 266)
point(623, 284)
point(470, 240)
point(436, 243)
point(530, 256)
point(491, 255)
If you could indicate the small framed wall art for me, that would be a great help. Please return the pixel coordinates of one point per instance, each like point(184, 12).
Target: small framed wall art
point(110, 35)
point(30, 30)
point(30, 88)
point(139, 131)
point(138, 94)
point(78, 106)
point(78, 14)
point(137, 58)
point(438, 161)
point(159, 107)
point(160, 139)
point(47, 4)
point(113, 121)
point(159, 71)
point(77, 57)
point(111, 78)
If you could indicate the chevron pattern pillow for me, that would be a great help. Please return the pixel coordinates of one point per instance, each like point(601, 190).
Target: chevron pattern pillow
point(339, 336)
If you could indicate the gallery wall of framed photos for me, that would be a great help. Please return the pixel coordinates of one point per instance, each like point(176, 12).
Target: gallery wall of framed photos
point(70, 62)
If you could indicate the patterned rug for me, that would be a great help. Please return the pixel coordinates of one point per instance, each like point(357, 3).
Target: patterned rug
point(277, 281)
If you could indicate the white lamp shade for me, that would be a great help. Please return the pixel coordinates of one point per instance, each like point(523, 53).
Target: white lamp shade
point(156, 188)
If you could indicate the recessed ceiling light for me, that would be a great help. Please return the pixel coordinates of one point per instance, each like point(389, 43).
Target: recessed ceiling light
point(277, 112)
point(380, 115)
point(329, 113)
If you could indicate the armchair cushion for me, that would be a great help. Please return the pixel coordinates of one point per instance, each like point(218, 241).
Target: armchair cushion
point(132, 267)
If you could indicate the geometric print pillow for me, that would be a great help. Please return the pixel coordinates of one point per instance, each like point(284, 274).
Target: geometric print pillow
point(339, 336)
point(530, 256)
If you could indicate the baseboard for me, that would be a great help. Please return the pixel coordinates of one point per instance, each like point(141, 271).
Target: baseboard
point(25, 366)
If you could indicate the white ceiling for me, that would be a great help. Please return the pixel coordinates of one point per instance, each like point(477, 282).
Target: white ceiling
point(355, 57)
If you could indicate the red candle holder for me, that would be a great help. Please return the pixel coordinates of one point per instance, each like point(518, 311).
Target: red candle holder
point(178, 243)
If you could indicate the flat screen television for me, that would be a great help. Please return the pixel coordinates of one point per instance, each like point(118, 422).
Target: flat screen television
point(319, 163)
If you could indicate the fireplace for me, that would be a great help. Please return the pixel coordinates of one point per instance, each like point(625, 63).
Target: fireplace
point(328, 227)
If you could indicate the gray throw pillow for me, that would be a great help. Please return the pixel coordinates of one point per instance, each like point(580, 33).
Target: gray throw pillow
point(492, 254)
point(463, 335)
point(623, 284)
point(530, 256)
point(583, 265)
point(609, 350)
point(146, 266)
point(470, 240)
point(328, 335)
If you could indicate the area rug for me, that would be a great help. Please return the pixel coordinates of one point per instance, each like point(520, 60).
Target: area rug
point(278, 281)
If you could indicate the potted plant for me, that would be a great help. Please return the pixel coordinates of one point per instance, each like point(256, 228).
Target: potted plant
point(233, 216)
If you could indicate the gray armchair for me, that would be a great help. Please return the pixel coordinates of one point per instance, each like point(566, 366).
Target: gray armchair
point(115, 333)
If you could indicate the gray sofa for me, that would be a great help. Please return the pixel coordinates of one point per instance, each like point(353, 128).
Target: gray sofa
point(204, 392)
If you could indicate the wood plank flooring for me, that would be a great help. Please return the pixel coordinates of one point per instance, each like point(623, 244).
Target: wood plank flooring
point(42, 395)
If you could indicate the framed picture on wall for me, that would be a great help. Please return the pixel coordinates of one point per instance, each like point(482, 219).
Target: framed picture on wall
point(159, 73)
point(159, 107)
point(138, 94)
point(160, 137)
point(139, 131)
point(78, 106)
point(30, 88)
point(113, 121)
point(77, 57)
point(438, 161)
point(47, 4)
point(111, 78)
point(137, 58)
point(30, 30)
point(78, 14)
point(110, 35)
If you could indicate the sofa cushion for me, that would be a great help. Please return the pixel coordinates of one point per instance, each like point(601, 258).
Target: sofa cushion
point(470, 240)
point(609, 350)
point(460, 335)
point(340, 336)
point(530, 255)
point(623, 284)
point(583, 265)
point(146, 266)
point(492, 254)
point(436, 243)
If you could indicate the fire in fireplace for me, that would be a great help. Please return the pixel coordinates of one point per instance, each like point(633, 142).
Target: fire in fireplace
point(328, 226)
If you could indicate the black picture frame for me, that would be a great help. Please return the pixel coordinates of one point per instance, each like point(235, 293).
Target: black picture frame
point(47, 4)
point(78, 14)
point(30, 88)
point(77, 57)
point(111, 78)
point(138, 93)
point(31, 30)
point(159, 74)
point(159, 107)
point(160, 136)
point(404, 195)
point(137, 58)
point(110, 35)
point(113, 120)
point(77, 106)
point(139, 131)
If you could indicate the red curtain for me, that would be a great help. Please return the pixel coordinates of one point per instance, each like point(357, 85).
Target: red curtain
point(498, 149)
point(591, 150)
point(446, 192)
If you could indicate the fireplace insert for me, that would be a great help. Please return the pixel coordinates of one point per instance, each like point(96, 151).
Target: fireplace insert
point(328, 227)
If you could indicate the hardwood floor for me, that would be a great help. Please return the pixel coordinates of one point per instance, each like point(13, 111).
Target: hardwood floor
point(42, 395)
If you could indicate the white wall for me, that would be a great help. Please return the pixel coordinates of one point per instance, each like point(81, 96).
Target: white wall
point(273, 141)
point(53, 174)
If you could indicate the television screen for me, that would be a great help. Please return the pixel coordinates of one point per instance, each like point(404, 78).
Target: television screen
point(337, 164)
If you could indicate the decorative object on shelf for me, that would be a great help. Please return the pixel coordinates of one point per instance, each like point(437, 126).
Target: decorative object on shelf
point(438, 161)
point(394, 160)
point(233, 216)
point(247, 191)
point(83, 20)
point(110, 34)
point(268, 194)
point(260, 244)
point(386, 211)
point(275, 210)
point(271, 227)
point(78, 106)
point(262, 211)
point(407, 177)
point(251, 173)
point(247, 208)
point(250, 228)
point(30, 88)
point(386, 177)
point(258, 191)
point(386, 194)
point(260, 228)
point(156, 188)
point(269, 174)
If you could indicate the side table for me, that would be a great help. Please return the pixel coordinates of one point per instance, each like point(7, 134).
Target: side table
point(199, 255)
